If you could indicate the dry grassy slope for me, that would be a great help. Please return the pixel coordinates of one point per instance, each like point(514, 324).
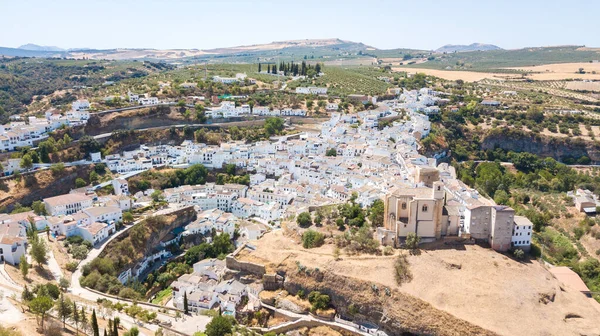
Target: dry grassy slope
point(398, 314)
point(489, 290)
point(39, 185)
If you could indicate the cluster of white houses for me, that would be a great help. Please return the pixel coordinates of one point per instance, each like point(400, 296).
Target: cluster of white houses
point(227, 109)
point(20, 133)
point(207, 288)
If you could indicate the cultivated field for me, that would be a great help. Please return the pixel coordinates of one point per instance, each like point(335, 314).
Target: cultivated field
point(541, 72)
point(467, 76)
point(562, 71)
point(470, 282)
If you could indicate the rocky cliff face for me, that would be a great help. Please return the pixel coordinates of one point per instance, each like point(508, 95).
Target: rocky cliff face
point(395, 312)
point(557, 148)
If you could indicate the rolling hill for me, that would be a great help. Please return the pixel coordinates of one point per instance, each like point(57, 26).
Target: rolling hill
point(448, 48)
point(311, 47)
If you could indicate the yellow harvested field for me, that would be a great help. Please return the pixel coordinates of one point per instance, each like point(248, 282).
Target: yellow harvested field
point(562, 71)
point(540, 72)
point(467, 76)
point(584, 86)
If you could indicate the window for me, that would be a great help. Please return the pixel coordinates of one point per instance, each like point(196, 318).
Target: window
point(529, 233)
point(424, 208)
point(403, 206)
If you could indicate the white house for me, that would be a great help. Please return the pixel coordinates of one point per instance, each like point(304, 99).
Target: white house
point(13, 243)
point(67, 204)
point(120, 186)
point(522, 233)
point(80, 105)
point(107, 214)
point(311, 90)
point(148, 101)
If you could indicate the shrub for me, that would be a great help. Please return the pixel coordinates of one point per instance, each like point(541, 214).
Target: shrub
point(304, 219)
point(318, 300)
point(312, 239)
point(79, 252)
point(401, 270)
point(519, 254)
point(412, 241)
point(129, 293)
point(388, 250)
point(71, 266)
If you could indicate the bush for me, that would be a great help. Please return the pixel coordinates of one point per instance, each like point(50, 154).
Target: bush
point(318, 300)
point(401, 270)
point(388, 250)
point(79, 252)
point(412, 241)
point(519, 254)
point(129, 293)
point(312, 239)
point(304, 220)
point(71, 266)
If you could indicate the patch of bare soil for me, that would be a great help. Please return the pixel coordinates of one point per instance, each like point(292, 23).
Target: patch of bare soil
point(489, 289)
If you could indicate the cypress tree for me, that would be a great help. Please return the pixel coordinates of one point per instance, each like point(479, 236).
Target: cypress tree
point(186, 309)
point(95, 324)
point(76, 317)
point(109, 327)
point(116, 326)
point(259, 68)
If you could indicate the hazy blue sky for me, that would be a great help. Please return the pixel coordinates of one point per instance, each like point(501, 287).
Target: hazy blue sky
point(388, 24)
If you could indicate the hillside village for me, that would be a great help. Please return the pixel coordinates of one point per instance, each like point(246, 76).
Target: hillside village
point(330, 211)
point(350, 155)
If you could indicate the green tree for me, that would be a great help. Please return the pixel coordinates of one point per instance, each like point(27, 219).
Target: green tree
point(26, 161)
point(94, 177)
point(304, 220)
point(219, 326)
point(312, 238)
point(376, 213)
point(80, 183)
point(39, 208)
point(64, 284)
point(40, 306)
point(157, 196)
point(273, 125)
point(76, 317)
point(27, 295)
point(186, 308)
point(501, 197)
point(64, 308)
point(57, 168)
point(38, 251)
point(127, 217)
point(83, 318)
point(24, 266)
point(318, 300)
point(95, 329)
point(116, 322)
point(331, 152)
point(412, 241)
point(134, 331)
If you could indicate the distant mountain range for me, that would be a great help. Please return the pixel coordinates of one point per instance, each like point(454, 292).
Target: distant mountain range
point(35, 47)
point(331, 47)
point(448, 48)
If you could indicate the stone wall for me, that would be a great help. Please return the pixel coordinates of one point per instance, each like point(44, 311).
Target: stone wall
point(245, 266)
